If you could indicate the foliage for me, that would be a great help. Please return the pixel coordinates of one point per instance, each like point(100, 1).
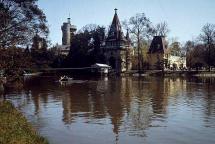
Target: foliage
point(208, 38)
point(201, 53)
point(13, 58)
point(86, 47)
point(144, 45)
point(208, 34)
point(189, 47)
point(42, 58)
point(140, 28)
point(20, 21)
point(175, 48)
point(195, 55)
point(14, 128)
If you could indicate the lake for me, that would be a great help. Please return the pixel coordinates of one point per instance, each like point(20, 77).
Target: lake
point(119, 110)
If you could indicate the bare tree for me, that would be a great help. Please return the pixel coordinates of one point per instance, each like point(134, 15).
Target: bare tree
point(140, 27)
point(161, 29)
point(189, 48)
point(208, 38)
point(89, 28)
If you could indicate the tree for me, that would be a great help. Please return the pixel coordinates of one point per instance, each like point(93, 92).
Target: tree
point(144, 47)
point(189, 48)
point(140, 27)
point(86, 47)
point(198, 54)
point(20, 21)
point(175, 48)
point(161, 29)
point(208, 38)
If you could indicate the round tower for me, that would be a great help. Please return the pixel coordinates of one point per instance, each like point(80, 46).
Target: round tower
point(67, 31)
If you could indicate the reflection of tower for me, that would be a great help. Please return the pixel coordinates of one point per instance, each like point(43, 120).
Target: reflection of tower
point(68, 31)
point(114, 106)
point(67, 114)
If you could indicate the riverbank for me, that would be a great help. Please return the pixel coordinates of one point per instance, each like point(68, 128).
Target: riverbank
point(169, 73)
point(14, 128)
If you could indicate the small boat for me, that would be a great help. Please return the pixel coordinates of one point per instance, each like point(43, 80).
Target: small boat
point(65, 79)
point(28, 74)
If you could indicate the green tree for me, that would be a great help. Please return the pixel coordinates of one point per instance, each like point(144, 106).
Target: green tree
point(175, 48)
point(20, 21)
point(86, 47)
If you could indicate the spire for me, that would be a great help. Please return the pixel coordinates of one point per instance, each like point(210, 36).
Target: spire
point(115, 31)
point(158, 45)
point(115, 10)
point(68, 20)
point(128, 37)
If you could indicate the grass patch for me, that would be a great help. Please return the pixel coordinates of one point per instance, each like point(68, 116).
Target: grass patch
point(14, 128)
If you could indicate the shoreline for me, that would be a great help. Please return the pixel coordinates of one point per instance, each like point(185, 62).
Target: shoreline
point(15, 128)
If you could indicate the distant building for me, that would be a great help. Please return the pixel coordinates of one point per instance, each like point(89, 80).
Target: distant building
point(160, 57)
point(68, 31)
point(158, 53)
point(117, 48)
point(177, 62)
point(39, 43)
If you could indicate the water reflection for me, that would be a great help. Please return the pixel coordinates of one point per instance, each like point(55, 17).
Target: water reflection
point(120, 110)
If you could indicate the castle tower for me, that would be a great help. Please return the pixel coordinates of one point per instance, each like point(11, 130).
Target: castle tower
point(158, 53)
point(117, 49)
point(68, 31)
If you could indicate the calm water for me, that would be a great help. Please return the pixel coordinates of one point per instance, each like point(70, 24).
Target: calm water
point(120, 110)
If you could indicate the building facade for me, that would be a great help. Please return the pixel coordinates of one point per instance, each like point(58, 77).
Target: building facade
point(160, 57)
point(117, 49)
point(158, 53)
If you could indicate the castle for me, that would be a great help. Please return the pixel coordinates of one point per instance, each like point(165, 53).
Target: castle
point(119, 53)
point(117, 49)
point(160, 56)
point(68, 31)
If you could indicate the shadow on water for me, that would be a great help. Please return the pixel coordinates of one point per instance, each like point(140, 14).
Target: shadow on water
point(120, 110)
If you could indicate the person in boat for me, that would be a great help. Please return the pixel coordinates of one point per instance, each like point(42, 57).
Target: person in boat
point(65, 78)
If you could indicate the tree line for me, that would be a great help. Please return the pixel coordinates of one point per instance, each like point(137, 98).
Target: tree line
point(201, 51)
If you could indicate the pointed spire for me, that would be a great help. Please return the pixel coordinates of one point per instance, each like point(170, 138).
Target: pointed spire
point(68, 19)
point(116, 21)
point(115, 31)
point(127, 34)
point(115, 10)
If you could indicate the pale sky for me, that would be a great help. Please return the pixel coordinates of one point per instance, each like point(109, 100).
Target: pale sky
point(185, 18)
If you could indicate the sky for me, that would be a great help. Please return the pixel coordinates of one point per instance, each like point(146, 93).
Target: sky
point(185, 18)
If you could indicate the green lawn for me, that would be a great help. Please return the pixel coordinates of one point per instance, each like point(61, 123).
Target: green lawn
point(14, 128)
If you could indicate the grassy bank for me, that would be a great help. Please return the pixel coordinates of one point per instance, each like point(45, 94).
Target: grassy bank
point(14, 128)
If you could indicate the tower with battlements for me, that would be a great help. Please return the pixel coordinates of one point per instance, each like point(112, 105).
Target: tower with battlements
point(68, 31)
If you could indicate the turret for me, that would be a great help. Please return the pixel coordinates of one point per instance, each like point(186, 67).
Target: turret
point(68, 31)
